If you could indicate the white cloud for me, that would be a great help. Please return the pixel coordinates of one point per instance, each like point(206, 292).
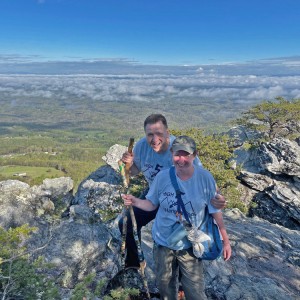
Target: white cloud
point(154, 88)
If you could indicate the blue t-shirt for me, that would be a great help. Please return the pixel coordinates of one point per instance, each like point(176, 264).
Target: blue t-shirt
point(197, 193)
point(150, 163)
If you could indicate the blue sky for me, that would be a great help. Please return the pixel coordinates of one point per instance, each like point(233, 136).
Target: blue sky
point(136, 50)
point(165, 32)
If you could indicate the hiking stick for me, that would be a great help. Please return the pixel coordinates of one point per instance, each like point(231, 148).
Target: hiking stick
point(124, 215)
point(140, 251)
point(124, 170)
point(127, 166)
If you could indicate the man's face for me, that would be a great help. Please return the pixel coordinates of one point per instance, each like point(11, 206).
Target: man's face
point(157, 136)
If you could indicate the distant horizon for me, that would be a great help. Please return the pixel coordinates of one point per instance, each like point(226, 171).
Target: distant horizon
point(280, 66)
point(17, 58)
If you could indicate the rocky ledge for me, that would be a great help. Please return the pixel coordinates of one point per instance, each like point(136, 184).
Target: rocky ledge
point(266, 247)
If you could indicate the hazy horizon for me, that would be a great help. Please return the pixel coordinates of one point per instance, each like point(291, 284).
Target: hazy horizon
point(126, 81)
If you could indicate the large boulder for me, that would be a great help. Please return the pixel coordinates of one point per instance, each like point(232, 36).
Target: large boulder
point(74, 247)
point(280, 157)
point(272, 172)
point(114, 154)
point(100, 191)
point(20, 203)
point(240, 134)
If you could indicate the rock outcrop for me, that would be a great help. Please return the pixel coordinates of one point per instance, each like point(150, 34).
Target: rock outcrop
point(21, 203)
point(266, 257)
point(272, 174)
point(75, 247)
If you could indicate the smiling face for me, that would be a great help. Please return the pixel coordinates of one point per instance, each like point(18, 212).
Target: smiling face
point(183, 161)
point(157, 136)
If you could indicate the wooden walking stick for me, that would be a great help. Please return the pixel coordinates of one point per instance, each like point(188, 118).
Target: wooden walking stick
point(124, 170)
point(124, 214)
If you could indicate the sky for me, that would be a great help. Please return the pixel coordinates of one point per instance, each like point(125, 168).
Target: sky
point(137, 50)
point(156, 32)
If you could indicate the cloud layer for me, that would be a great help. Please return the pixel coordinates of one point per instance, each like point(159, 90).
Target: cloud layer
point(191, 95)
point(151, 88)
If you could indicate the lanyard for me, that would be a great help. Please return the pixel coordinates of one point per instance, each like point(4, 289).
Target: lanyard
point(180, 205)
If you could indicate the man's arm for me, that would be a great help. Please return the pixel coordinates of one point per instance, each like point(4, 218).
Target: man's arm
point(142, 204)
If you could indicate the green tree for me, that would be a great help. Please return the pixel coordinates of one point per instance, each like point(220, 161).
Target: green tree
point(122, 294)
point(18, 276)
point(88, 288)
point(279, 118)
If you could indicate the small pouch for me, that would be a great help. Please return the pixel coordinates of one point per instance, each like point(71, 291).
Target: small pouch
point(178, 234)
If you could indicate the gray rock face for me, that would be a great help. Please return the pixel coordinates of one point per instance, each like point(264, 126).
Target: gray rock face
point(20, 203)
point(261, 251)
point(239, 135)
point(287, 195)
point(256, 182)
point(280, 157)
point(101, 192)
point(269, 210)
point(265, 263)
point(76, 248)
point(266, 257)
point(114, 154)
point(101, 189)
point(272, 171)
point(14, 204)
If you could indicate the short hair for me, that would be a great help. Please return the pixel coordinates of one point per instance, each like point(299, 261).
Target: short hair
point(154, 118)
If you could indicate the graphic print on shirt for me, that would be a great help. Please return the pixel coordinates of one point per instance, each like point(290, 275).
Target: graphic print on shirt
point(150, 172)
point(170, 204)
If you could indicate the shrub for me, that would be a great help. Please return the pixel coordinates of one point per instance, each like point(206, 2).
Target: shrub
point(19, 277)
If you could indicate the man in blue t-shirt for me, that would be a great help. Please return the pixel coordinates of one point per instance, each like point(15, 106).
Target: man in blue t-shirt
point(151, 155)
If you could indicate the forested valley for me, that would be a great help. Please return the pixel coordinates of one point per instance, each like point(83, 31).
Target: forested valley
point(41, 139)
